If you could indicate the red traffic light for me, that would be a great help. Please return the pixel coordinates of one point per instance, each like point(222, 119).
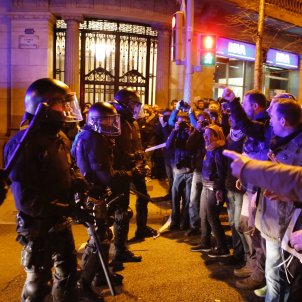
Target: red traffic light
point(173, 22)
point(177, 36)
point(208, 42)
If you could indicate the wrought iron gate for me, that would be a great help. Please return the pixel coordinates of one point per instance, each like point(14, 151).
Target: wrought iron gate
point(113, 55)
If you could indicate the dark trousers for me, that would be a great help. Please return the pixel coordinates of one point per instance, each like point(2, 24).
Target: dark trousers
point(296, 282)
point(141, 203)
point(39, 256)
point(209, 219)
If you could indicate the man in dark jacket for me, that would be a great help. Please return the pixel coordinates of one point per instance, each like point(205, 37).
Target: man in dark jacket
point(234, 141)
point(252, 112)
point(183, 173)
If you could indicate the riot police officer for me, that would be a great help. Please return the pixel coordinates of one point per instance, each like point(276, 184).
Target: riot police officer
point(43, 185)
point(93, 151)
point(129, 155)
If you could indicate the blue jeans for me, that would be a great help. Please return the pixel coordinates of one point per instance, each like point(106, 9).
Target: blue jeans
point(181, 189)
point(277, 286)
point(196, 189)
point(234, 206)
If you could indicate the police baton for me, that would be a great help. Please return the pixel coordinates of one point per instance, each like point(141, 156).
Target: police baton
point(102, 257)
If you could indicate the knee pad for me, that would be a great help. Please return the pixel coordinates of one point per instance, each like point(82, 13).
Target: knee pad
point(121, 217)
point(35, 291)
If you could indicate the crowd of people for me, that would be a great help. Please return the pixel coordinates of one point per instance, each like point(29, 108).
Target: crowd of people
point(201, 181)
point(91, 179)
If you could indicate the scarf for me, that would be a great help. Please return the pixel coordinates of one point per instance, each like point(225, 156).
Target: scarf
point(236, 134)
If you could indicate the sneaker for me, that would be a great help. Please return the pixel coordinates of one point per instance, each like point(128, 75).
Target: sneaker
point(147, 233)
point(192, 232)
point(201, 248)
point(127, 256)
point(219, 252)
point(249, 283)
point(243, 272)
point(260, 292)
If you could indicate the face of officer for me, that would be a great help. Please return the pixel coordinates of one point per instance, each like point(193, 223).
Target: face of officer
point(135, 108)
point(103, 119)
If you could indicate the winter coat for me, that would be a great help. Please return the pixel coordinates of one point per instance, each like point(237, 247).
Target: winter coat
point(272, 218)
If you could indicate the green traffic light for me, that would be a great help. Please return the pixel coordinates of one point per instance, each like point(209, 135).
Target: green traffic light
point(207, 59)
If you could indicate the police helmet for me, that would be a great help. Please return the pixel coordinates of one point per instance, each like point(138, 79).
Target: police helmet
point(57, 96)
point(103, 118)
point(129, 101)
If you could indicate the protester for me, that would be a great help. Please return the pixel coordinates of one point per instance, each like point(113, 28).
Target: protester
point(283, 183)
point(183, 173)
point(213, 194)
point(252, 111)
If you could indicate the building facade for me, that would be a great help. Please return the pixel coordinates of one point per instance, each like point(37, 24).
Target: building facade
point(97, 47)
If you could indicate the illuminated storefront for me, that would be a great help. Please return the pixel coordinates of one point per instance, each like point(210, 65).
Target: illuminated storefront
point(281, 72)
point(235, 68)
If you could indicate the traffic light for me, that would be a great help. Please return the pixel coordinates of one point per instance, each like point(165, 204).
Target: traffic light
point(207, 49)
point(177, 36)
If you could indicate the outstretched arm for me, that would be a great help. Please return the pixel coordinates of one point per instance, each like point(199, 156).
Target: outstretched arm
point(283, 179)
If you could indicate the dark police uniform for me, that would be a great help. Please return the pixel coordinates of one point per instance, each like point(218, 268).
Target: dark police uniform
point(128, 144)
point(42, 185)
point(94, 156)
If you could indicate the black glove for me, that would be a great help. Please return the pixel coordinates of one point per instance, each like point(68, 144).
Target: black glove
point(82, 215)
point(4, 184)
point(80, 185)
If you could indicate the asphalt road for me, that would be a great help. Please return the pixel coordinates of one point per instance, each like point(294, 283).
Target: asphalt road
point(169, 271)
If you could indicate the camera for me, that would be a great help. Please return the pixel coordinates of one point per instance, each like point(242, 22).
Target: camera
point(204, 123)
point(183, 125)
point(166, 118)
point(184, 106)
point(225, 106)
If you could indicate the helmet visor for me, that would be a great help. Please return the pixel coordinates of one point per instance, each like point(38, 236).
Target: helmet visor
point(135, 108)
point(69, 107)
point(109, 125)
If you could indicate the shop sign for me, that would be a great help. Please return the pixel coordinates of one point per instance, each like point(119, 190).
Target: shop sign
point(282, 59)
point(235, 49)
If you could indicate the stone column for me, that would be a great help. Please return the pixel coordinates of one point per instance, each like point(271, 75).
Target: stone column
point(163, 66)
point(72, 56)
